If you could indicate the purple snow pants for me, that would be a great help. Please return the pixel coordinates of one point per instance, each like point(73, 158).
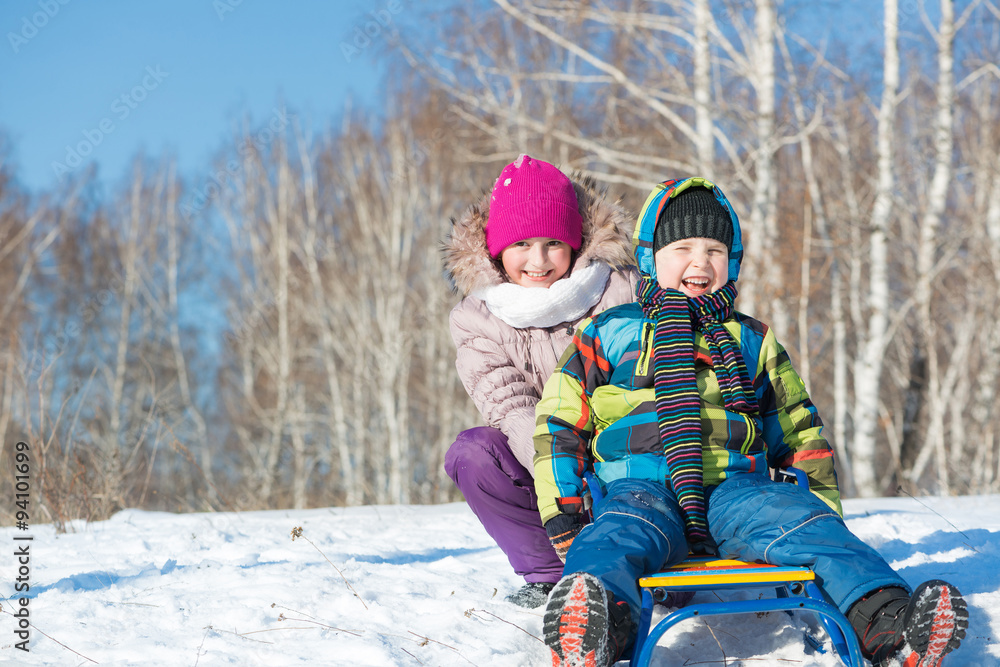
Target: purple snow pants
point(501, 494)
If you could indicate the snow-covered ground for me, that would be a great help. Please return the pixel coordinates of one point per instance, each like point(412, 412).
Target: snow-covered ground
point(409, 585)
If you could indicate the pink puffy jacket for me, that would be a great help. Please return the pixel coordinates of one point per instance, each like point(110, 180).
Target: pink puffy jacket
point(509, 341)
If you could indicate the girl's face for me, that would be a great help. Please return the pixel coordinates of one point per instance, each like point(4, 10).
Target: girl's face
point(694, 266)
point(536, 262)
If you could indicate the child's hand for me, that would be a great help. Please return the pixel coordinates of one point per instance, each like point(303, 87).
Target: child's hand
point(562, 529)
point(704, 547)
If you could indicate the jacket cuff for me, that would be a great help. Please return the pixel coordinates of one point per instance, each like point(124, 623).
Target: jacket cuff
point(571, 505)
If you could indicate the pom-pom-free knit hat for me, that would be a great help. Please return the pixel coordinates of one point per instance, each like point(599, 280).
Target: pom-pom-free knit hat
point(694, 213)
point(531, 198)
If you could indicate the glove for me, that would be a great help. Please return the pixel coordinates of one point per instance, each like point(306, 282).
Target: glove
point(703, 547)
point(562, 529)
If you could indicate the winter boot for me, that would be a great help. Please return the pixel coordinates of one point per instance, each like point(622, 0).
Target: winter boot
point(897, 630)
point(621, 630)
point(583, 625)
point(532, 595)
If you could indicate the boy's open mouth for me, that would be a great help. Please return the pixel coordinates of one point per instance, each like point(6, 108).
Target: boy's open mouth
point(696, 284)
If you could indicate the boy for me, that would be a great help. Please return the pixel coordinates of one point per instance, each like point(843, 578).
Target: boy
point(680, 404)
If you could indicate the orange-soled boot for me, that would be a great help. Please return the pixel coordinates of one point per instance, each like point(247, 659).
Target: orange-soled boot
point(918, 630)
point(583, 626)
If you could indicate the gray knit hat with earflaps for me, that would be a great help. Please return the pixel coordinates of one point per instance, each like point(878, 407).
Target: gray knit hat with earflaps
point(694, 213)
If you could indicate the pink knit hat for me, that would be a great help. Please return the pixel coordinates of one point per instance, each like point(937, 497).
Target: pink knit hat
point(532, 198)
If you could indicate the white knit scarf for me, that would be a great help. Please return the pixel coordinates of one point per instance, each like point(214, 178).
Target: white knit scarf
point(567, 300)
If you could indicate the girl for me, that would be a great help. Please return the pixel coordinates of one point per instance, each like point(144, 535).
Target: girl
point(531, 261)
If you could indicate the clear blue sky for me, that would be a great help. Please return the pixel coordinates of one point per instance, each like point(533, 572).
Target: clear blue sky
point(188, 69)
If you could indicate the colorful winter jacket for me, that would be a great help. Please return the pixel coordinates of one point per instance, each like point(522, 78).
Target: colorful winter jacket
point(598, 412)
point(509, 338)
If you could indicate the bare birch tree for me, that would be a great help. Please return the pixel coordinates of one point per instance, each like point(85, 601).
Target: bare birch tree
point(925, 365)
point(763, 227)
point(868, 366)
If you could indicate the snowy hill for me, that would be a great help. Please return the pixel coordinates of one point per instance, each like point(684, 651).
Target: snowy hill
point(235, 589)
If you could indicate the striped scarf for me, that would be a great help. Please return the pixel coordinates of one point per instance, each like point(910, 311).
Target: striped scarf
point(678, 404)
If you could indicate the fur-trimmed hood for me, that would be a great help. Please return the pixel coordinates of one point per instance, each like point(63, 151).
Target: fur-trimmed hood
point(607, 231)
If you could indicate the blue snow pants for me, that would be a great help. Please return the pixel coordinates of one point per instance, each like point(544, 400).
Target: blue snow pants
point(637, 529)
